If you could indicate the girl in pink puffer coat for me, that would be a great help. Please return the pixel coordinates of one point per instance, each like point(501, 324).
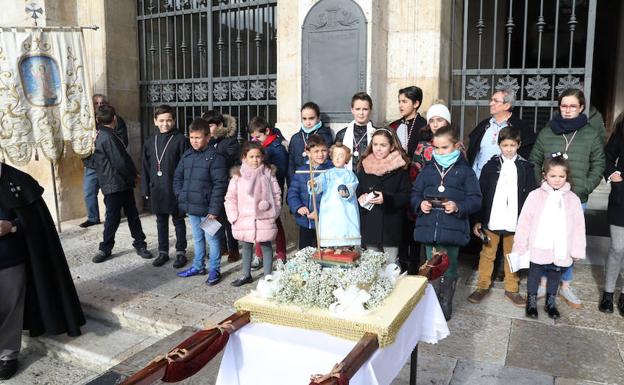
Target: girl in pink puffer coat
point(252, 204)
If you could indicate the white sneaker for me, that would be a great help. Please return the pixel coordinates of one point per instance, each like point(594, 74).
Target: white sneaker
point(256, 263)
point(568, 295)
point(541, 291)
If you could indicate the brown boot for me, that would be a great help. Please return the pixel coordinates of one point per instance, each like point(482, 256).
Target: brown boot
point(233, 256)
point(478, 295)
point(515, 298)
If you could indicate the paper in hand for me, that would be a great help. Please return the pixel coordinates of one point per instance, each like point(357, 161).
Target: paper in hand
point(211, 226)
point(517, 261)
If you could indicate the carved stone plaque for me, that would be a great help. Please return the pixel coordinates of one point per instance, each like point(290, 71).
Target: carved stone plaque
point(334, 56)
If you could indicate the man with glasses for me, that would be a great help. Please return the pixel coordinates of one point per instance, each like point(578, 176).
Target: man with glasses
point(483, 140)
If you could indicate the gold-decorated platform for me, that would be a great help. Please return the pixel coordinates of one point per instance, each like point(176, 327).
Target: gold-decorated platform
point(385, 320)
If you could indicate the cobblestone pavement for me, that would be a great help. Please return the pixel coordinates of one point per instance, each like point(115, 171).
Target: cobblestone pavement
point(490, 343)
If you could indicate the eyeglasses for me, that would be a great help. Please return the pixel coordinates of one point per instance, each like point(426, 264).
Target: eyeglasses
point(571, 107)
point(496, 101)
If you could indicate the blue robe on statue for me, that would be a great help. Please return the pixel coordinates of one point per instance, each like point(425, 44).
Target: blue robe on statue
point(339, 214)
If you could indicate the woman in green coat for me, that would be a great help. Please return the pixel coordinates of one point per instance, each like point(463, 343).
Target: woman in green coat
point(569, 134)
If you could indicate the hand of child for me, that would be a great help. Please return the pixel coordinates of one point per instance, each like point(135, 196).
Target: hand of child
point(615, 177)
point(212, 217)
point(303, 211)
point(476, 229)
point(362, 199)
point(425, 207)
point(449, 207)
point(378, 199)
point(312, 215)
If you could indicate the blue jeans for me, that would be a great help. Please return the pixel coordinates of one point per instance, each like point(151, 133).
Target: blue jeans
point(90, 189)
point(200, 237)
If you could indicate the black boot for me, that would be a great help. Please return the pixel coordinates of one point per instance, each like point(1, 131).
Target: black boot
point(621, 304)
point(437, 286)
point(551, 306)
point(606, 304)
point(531, 306)
point(447, 286)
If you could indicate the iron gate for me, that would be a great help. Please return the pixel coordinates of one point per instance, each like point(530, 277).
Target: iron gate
point(197, 55)
point(536, 48)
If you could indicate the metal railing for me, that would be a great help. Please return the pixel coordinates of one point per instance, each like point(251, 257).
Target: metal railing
point(197, 55)
point(534, 48)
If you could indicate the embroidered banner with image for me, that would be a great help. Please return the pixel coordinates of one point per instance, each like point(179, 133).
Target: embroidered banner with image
point(45, 95)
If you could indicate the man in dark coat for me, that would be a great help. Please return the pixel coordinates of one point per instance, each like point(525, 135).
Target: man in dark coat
point(116, 175)
point(36, 288)
point(90, 185)
point(483, 140)
point(161, 154)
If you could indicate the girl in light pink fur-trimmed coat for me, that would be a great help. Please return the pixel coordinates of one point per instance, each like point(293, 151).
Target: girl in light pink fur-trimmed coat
point(252, 204)
point(550, 232)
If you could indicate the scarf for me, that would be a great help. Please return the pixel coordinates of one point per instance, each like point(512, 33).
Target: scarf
point(313, 128)
point(380, 167)
point(504, 214)
point(559, 125)
point(269, 140)
point(552, 227)
point(347, 140)
point(258, 186)
point(446, 160)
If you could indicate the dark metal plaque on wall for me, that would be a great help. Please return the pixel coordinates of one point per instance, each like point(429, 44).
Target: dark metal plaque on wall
point(334, 56)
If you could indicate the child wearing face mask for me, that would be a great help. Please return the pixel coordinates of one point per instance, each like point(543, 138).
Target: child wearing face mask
point(311, 124)
point(382, 171)
point(252, 204)
point(444, 196)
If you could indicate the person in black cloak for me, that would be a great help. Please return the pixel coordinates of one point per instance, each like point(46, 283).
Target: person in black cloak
point(36, 287)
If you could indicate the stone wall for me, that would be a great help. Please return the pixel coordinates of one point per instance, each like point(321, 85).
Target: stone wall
point(408, 44)
point(112, 66)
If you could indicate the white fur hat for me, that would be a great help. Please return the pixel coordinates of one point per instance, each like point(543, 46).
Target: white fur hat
point(439, 110)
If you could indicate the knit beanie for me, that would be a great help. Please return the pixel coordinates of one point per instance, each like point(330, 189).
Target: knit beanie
point(439, 110)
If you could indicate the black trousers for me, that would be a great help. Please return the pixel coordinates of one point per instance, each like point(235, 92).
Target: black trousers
point(114, 203)
point(230, 243)
point(409, 250)
point(307, 237)
point(13, 289)
point(162, 225)
point(553, 274)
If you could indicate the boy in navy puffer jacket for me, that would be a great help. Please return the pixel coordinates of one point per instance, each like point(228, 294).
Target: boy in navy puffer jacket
point(199, 184)
point(299, 199)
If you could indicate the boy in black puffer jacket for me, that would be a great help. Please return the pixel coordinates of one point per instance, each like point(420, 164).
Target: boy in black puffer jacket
point(506, 180)
point(223, 138)
point(199, 184)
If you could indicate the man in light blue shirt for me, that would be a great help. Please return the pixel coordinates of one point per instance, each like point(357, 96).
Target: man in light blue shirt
point(483, 140)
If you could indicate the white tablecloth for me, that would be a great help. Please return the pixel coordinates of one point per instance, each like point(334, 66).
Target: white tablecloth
point(269, 354)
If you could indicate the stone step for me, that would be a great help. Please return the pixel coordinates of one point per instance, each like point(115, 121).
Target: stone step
point(36, 368)
point(100, 346)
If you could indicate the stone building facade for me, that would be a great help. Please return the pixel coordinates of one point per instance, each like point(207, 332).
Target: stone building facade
point(407, 43)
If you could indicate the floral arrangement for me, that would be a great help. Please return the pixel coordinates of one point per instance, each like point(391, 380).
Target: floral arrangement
point(302, 281)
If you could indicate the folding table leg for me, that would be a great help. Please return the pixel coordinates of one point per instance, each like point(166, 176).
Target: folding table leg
point(413, 365)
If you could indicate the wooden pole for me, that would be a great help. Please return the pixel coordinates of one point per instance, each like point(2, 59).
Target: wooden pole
point(316, 213)
point(56, 202)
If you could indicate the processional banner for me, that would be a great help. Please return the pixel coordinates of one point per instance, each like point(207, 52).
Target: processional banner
point(45, 97)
